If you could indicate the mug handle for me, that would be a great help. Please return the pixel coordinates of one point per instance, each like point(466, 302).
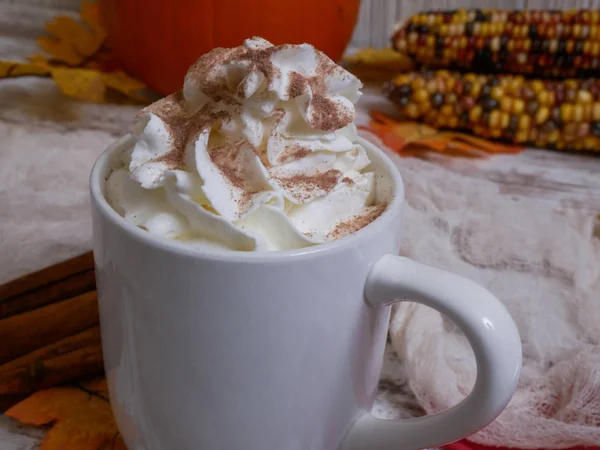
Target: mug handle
point(489, 329)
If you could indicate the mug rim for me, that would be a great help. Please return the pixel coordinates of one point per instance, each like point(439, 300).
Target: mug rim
point(98, 178)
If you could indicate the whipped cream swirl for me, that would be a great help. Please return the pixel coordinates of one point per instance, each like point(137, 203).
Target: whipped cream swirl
point(257, 152)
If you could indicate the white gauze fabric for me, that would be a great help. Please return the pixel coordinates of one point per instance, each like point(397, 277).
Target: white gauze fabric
point(544, 265)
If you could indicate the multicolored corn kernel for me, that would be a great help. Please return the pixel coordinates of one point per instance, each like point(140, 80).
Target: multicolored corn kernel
point(550, 43)
point(507, 107)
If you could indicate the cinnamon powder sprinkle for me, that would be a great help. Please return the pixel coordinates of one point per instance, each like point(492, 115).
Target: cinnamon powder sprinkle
point(357, 222)
point(171, 111)
point(206, 74)
point(205, 71)
point(293, 153)
point(328, 115)
point(229, 159)
point(302, 187)
point(262, 58)
point(183, 127)
point(297, 85)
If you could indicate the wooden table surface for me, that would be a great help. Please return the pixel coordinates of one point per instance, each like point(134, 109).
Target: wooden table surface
point(569, 181)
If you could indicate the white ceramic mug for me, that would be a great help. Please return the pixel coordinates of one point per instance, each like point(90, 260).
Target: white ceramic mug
point(226, 350)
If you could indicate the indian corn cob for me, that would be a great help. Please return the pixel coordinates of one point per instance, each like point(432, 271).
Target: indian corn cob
point(548, 114)
point(549, 43)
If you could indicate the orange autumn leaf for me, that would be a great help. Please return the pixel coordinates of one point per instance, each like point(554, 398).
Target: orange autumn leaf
point(72, 42)
point(414, 139)
point(80, 417)
point(82, 84)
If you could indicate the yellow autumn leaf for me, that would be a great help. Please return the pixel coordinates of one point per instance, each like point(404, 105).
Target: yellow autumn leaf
point(90, 14)
point(124, 84)
point(39, 60)
point(383, 58)
point(82, 84)
point(10, 69)
point(80, 64)
point(60, 50)
point(377, 65)
point(71, 41)
point(83, 40)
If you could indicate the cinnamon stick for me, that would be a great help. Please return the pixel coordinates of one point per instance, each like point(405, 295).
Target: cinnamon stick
point(82, 363)
point(23, 333)
point(46, 276)
point(65, 360)
point(68, 287)
point(86, 338)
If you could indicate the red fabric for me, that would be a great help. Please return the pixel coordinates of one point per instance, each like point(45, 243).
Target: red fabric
point(467, 445)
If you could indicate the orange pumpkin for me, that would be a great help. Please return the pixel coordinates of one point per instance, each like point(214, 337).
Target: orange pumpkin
point(157, 40)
